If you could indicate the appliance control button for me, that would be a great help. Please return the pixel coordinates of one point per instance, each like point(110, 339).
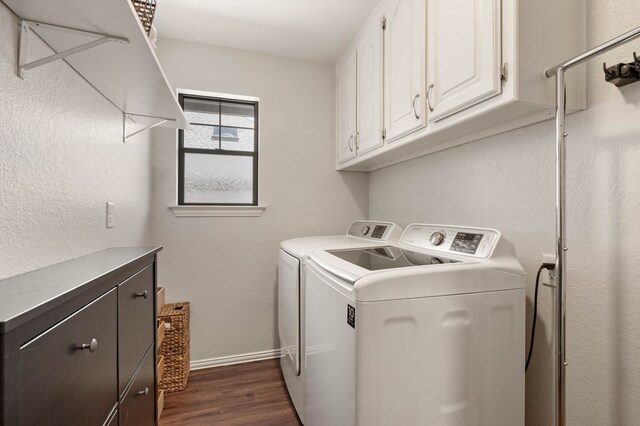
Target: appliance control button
point(365, 230)
point(437, 238)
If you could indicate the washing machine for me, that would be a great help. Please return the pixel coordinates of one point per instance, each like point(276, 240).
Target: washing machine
point(291, 276)
point(430, 331)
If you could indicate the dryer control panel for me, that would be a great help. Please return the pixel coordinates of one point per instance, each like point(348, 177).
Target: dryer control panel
point(372, 230)
point(451, 239)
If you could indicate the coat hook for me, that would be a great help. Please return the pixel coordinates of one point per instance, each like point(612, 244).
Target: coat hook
point(623, 73)
point(627, 70)
point(608, 74)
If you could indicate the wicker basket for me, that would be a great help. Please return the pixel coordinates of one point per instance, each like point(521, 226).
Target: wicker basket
point(146, 10)
point(175, 346)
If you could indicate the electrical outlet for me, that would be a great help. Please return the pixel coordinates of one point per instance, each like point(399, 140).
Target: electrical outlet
point(110, 207)
point(551, 275)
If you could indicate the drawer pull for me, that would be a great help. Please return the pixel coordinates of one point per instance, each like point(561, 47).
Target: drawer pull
point(91, 346)
point(144, 392)
point(415, 112)
point(144, 294)
point(429, 103)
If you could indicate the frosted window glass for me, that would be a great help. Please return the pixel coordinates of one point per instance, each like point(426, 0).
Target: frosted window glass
point(202, 118)
point(201, 137)
point(202, 111)
point(238, 115)
point(244, 142)
point(218, 179)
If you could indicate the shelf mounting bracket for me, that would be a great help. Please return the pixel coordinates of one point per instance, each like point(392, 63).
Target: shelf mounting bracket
point(24, 66)
point(130, 116)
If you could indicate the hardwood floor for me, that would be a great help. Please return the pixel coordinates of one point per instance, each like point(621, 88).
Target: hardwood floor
point(253, 393)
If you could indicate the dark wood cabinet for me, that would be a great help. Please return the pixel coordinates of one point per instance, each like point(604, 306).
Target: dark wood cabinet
point(136, 322)
point(79, 356)
point(137, 406)
point(78, 342)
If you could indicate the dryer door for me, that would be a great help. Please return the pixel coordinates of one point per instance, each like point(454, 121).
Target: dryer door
point(289, 308)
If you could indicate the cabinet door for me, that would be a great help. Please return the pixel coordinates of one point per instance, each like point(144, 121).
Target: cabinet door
point(68, 373)
point(138, 405)
point(346, 108)
point(136, 322)
point(464, 54)
point(369, 93)
point(404, 59)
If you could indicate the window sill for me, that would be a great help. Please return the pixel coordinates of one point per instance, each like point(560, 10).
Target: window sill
point(217, 211)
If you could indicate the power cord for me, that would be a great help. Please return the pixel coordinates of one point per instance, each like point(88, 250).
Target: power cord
point(549, 267)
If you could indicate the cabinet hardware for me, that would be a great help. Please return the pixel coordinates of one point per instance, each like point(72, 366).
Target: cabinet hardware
point(504, 72)
point(429, 91)
point(384, 134)
point(144, 294)
point(384, 23)
point(144, 392)
point(357, 141)
point(350, 139)
point(91, 346)
point(415, 112)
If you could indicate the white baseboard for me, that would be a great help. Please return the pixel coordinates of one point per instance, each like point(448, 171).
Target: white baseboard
point(235, 359)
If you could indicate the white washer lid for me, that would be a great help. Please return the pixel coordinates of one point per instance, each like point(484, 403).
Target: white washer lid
point(470, 260)
point(354, 237)
point(417, 281)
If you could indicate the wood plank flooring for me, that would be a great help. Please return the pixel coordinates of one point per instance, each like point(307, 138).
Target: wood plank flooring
point(253, 393)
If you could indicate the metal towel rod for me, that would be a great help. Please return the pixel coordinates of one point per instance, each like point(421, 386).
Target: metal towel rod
point(561, 247)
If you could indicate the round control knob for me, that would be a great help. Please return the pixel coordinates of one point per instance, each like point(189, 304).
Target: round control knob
point(437, 238)
point(365, 230)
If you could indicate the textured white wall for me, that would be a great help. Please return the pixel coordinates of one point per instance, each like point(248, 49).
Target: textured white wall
point(508, 182)
point(227, 267)
point(61, 159)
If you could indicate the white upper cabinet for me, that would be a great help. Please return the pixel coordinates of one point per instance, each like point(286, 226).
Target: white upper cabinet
point(369, 93)
point(464, 54)
point(454, 71)
point(404, 67)
point(346, 108)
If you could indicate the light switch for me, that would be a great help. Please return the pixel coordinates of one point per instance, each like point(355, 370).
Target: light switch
point(110, 207)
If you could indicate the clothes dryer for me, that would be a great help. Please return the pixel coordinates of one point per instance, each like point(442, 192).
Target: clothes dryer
point(291, 277)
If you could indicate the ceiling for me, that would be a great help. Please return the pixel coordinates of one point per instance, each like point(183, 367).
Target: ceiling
point(310, 29)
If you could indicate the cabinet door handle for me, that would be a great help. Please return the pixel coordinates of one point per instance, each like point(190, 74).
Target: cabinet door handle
point(144, 294)
point(429, 104)
point(357, 140)
point(91, 346)
point(350, 139)
point(415, 112)
point(144, 392)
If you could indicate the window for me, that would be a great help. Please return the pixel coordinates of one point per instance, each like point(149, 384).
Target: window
point(218, 156)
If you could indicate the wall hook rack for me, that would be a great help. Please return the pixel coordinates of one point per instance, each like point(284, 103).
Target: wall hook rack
point(24, 66)
point(130, 116)
point(623, 73)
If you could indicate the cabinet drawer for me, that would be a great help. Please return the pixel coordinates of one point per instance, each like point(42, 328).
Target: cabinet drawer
point(160, 403)
point(62, 383)
point(136, 322)
point(159, 333)
point(138, 406)
point(160, 371)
